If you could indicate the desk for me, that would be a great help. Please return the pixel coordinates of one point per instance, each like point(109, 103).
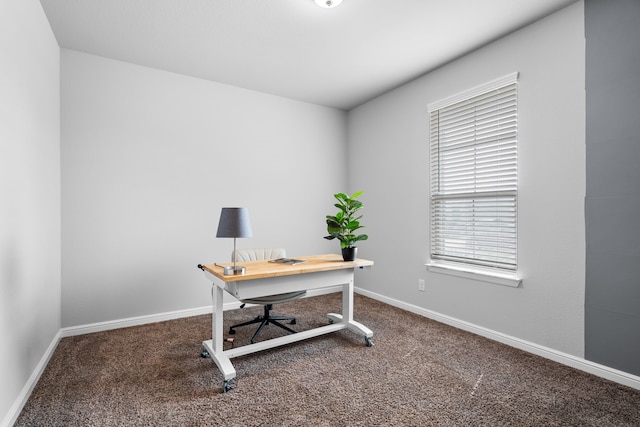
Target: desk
point(263, 278)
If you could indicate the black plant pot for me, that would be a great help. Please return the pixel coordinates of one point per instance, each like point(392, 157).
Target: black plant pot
point(349, 254)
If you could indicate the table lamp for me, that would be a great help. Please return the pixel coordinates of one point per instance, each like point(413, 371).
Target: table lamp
point(234, 222)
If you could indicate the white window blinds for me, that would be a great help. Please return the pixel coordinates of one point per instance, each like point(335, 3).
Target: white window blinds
point(474, 180)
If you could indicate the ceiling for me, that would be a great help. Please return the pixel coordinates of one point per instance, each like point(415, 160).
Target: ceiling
point(339, 57)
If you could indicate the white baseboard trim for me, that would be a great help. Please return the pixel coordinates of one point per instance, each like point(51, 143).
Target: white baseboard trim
point(21, 400)
point(606, 372)
point(132, 321)
point(161, 317)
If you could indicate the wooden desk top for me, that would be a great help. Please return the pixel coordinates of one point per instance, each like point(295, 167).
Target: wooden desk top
point(263, 269)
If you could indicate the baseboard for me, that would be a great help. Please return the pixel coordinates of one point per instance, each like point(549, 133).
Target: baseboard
point(602, 371)
point(21, 400)
point(161, 317)
point(133, 321)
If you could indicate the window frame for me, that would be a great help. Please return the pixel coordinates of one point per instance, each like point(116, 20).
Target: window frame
point(486, 271)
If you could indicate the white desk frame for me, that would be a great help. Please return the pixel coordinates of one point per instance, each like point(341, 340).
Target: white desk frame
point(264, 286)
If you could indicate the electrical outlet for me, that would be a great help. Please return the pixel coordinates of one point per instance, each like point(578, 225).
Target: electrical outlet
point(421, 285)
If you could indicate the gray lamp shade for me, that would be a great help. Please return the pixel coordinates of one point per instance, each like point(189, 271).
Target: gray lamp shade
point(234, 222)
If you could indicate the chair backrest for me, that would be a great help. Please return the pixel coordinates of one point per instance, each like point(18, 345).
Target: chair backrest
point(255, 254)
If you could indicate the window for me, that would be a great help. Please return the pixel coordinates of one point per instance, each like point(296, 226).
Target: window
point(473, 178)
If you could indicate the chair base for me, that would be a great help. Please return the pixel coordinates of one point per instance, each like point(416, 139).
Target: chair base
point(264, 320)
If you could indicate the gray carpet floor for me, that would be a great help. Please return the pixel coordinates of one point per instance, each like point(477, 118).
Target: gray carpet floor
point(418, 373)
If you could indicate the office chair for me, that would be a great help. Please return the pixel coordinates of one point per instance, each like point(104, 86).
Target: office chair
point(266, 318)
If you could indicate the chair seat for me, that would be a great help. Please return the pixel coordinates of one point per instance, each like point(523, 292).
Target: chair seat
point(275, 299)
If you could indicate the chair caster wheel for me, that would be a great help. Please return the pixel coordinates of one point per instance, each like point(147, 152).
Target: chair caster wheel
point(293, 322)
point(232, 331)
point(368, 341)
point(204, 354)
point(228, 385)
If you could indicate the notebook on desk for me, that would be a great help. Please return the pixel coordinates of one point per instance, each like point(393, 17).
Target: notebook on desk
point(290, 261)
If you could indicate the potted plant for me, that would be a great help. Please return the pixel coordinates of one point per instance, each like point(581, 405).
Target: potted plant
point(345, 223)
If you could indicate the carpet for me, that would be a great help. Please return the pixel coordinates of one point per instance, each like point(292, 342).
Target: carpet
point(418, 373)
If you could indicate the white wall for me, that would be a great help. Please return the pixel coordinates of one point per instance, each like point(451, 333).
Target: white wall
point(150, 157)
point(29, 195)
point(388, 147)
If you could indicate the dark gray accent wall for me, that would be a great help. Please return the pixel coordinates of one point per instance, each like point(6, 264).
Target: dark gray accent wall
point(612, 300)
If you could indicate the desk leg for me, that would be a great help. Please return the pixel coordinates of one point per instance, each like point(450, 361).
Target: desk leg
point(215, 346)
point(217, 318)
point(347, 314)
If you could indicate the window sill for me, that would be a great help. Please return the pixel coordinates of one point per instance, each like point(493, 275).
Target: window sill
point(510, 280)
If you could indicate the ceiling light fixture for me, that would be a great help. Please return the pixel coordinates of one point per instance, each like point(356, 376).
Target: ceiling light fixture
point(328, 3)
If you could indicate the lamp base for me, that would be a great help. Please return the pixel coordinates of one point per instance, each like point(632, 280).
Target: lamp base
point(234, 271)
